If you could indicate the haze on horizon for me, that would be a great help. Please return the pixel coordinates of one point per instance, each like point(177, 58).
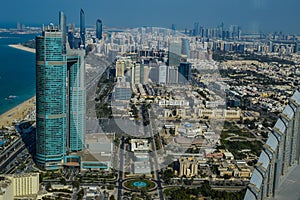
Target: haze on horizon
point(251, 15)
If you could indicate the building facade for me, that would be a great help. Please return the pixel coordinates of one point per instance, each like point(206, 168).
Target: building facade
point(61, 99)
point(280, 154)
point(51, 98)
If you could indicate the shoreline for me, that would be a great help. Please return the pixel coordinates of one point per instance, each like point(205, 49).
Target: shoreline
point(18, 112)
point(21, 47)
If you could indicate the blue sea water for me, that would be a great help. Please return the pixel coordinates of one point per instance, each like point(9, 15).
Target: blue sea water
point(17, 71)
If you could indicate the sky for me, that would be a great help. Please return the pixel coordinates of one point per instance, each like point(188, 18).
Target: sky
point(251, 15)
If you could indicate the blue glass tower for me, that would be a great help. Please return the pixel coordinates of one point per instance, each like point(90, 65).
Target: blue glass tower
point(184, 72)
point(77, 99)
point(82, 27)
point(51, 106)
point(99, 29)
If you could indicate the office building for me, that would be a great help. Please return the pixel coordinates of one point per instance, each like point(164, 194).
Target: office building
point(162, 74)
point(77, 99)
point(63, 29)
point(138, 73)
point(51, 98)
point(280, 154)
point(172, 75)
point(99, 29)
point(185, 47)
point(184, 73)
point(82, 27)
point(174, 53)
point(120, 68)
point(60, 99)
point(188, 167)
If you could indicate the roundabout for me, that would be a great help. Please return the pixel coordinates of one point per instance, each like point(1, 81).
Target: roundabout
point(137, 184)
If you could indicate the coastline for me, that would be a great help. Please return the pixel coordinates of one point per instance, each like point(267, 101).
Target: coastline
point(21, 47)
point(17, 113)
point(20, 111)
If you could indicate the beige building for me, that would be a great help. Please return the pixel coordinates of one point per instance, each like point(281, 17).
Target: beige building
point(21, 185)
point(6, 189)
point(120, 68)
point(220, 113)
point(188, 167)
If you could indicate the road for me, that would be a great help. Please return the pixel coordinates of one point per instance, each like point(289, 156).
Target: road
point(121, 168)
point(98, 76)
point(156, 168)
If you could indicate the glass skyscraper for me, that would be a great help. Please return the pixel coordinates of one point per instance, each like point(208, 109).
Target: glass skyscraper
point(77, 99)
point(61, 98)
point(82, 27)
point(51, 105)
point(99, 29)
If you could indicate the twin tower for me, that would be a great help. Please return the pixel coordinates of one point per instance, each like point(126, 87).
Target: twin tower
point(60, 96)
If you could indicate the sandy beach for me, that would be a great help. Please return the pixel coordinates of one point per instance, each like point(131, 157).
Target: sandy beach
point(21, 47)
point(17, 113)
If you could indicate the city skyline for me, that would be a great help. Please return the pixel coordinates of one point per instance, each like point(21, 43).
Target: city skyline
point(254, 15)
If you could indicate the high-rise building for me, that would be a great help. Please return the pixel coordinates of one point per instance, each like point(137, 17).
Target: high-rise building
point(185, 47)
point(51, 98)
point(162, 74)
point(61, 99)
point(63, 29)
point(196, 29)
point(120, 68)
point(184, 72)
point(172, 75)
point(174, 53)
point(137, 75)
point(280, 154)
point(99, 29)
point(76, 100)
point(82, 27)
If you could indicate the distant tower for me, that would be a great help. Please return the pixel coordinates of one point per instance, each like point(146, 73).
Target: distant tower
point(99, 29)
point(185, 47)
point(82, 27)
point(63, 29)
point(184, 72)
point(174, 53)
point(51, 102)
point(196, 29)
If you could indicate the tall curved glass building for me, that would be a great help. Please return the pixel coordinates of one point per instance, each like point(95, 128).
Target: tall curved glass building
point(60, 98)
point(51, 105)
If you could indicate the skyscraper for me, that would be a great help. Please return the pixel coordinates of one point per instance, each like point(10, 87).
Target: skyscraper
point(77, 99)
point(184, 72)
point(61, 98)
point(63, 29)
point(174, 53)
point(82, 27)
point(51, 104)
point(99, 29)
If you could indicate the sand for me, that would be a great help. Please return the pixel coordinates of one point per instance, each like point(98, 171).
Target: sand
point(21, 47)
point(17, 113)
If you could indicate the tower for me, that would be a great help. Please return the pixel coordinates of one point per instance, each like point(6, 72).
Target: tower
point(76, 99)
point(60, 97)
point(51, 105)
point(184, 73)
point(63, 29)
point(99, 29)
point(82, 27)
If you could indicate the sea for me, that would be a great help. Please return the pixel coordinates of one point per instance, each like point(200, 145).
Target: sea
point(17, 71)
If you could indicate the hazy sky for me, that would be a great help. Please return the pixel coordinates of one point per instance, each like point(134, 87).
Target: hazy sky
point(255, 15)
